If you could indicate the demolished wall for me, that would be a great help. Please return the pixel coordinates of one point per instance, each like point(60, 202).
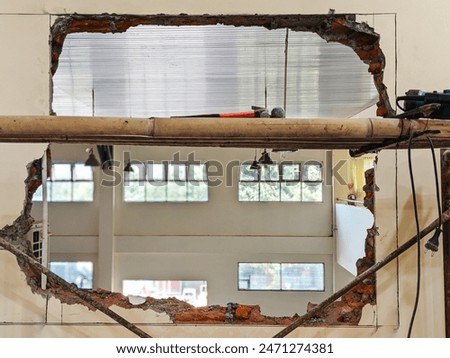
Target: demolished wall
point(408, 68)
point(342, 29)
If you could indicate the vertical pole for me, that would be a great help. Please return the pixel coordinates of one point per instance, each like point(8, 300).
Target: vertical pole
point(106, 232)
point(45, 243)
point(286, 45)
point(445, 189)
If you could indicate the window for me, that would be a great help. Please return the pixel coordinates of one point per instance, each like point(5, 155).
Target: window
point(37, 245)
point(161, 182)
point(80, 273)
point(281, 182)
point(35, 236)
point(69, 182)
point(281, 276)
point(193, 292)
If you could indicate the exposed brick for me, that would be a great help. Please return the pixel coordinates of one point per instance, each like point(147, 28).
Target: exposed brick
point(243, 312)
point(349, 309)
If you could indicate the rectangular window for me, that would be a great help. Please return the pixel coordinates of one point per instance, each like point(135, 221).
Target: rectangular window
point(281, 276)
point(134, 183)
point(166, 182)
point(295, 182)
point(193, 292)
point(69, 182)
point(36, 238)
point(79, 273)
point(156, 187)
point(312, 182)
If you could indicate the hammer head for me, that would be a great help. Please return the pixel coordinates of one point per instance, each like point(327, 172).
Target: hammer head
point(278, 112)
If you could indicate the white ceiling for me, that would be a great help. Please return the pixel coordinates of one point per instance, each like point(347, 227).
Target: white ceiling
point(163, 71)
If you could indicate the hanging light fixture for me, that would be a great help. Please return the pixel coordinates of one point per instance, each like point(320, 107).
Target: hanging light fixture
point(91, 160)
point(255, 165)
point(128, 168)
point(265, 158)
point(126, 159)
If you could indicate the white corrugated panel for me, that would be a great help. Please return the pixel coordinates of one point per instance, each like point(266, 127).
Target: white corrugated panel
point(163, 71)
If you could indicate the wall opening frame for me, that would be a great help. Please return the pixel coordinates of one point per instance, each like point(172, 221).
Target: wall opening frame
point(341, 28)
point(361, 38)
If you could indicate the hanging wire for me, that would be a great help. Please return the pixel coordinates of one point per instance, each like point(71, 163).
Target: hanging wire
point(433, 243)
point(265, 78)
point(436, 181)
point(285, 68)
point(416, 217)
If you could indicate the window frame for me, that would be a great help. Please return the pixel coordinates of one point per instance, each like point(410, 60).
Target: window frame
point(147, 180)
point(280, 271)
point(73, 180)
point(178, 289)
point(92, 268)
point(282, 181)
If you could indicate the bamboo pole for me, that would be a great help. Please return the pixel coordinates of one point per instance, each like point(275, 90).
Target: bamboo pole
point(32, 127)
point(374, 268)
point(237, 132)
point(83, 295)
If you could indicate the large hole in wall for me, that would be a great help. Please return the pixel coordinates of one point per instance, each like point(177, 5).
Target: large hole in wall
point(182, 65)
point(256, 72)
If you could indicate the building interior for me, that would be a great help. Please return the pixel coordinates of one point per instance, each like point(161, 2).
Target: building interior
point(199, 229)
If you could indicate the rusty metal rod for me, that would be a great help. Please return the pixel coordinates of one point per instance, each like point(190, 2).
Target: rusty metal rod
point(360, 278)
point(73, 289)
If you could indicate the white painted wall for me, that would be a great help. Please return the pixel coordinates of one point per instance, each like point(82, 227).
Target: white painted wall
point(420, 37)
point(24, 90)
point(194, 241)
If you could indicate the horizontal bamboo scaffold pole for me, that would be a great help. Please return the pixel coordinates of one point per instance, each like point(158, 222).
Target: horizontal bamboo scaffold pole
point(227, 132)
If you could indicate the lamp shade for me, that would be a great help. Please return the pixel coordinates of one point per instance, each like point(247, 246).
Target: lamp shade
point(92, 160)
point(265, 158)
point(128, 167)
point(255, 165)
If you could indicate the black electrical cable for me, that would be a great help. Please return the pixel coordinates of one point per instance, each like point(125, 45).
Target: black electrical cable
point(416, 216)
point(398, 104)
point(433, 243)
point(436, 181)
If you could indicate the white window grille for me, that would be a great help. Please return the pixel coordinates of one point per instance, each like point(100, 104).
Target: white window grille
point(166, 182)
